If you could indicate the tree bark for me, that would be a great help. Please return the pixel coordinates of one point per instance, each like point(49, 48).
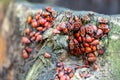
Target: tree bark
point(39, 68)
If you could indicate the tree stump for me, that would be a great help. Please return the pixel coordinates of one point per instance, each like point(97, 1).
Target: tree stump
point(39, 68)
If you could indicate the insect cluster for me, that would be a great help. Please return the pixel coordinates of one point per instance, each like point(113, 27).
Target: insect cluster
point(66, 73)
point(84, 41)
point(84, 37)
point(36, 26)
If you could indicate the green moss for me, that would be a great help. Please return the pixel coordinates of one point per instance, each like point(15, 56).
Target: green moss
point(114, 49)
point(114, 53)
point(5, 2)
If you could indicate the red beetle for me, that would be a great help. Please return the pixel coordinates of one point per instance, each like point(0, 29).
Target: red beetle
point(88, 75)
point(95, 42)
point(25, 40)
point(77, 34)
point(100, 51)
point(82, 31)
point(101, 26)
point(89, 29)
point(40, 28)
point(94, 28)
point(81, 75)
point(37, 16)
point(42, 21)
point(88, 39)
point(25, 54)
point(47, 55)
point(106, 29)
point(55, 31)
point(27, 31)
point(76, 26)
point(38, 38)
point(29, 20)
point(28, 49)
point(60, 74)
point(88, 50)
point(65, 30)
point(94, 48)
point(62, 25)
point(99, 33)
point(86, 44)
point(76, 18)
point(37, 33)
point(32, 34)
point(95, 67)
point(71, 74)
point(83, 49)
point(45, 14)
point(75, 41)
point(79, 39)
point(71, 44)
point(32, 38)
point(49, 9)
point(34, 24)
point(91, 59)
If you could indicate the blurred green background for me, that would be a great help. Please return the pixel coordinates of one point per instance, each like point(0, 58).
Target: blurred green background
point(100, 6)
